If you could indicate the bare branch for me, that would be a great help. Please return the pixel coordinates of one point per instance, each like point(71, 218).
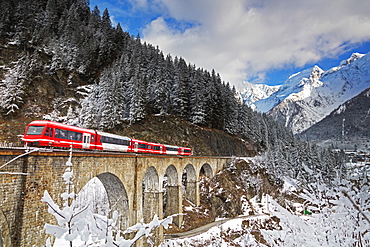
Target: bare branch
point(55, 210)
point(15, 173)
point(82, 210)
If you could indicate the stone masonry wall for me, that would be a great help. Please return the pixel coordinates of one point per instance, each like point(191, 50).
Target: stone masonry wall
point(11, 200)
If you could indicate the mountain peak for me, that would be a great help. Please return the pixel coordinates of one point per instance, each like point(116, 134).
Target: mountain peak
point(353, 58)
point(316, 73)
point(256, 92)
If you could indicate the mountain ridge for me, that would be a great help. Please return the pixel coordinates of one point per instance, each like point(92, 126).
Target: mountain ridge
point(308, 96)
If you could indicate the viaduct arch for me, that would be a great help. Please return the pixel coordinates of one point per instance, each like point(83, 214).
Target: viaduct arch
point(137, 186)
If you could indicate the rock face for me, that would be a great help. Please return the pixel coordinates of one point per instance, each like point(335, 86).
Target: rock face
point(309, 96)
point(224, 195)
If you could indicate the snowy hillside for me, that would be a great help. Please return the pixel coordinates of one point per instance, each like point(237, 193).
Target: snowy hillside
point(319, 215)
point(307, 97)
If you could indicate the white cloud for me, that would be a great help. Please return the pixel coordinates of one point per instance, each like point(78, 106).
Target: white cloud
point(243, 38)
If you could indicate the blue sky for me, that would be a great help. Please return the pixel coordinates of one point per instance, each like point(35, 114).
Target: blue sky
point(260, 41)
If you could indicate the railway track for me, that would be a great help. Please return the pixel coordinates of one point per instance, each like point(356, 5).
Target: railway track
point(78, 152)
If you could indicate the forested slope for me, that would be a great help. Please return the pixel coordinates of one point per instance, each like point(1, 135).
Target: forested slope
point(63, 62)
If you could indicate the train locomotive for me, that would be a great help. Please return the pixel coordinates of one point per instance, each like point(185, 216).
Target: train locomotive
point(45, 133)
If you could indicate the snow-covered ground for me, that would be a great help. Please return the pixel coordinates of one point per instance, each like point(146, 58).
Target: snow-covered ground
point(233, 232)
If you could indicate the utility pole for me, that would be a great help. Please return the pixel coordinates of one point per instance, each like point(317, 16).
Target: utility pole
point(343, 128)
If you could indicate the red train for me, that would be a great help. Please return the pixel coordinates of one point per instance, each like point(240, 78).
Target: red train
point(52, 134)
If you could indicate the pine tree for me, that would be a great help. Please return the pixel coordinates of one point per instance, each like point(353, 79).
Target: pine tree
point(198, 98)
point(231, 110)
point(138, 101)
point(111, 98)
point(180, 97)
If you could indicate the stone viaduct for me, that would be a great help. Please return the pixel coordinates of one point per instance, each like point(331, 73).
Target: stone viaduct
point(135, 185)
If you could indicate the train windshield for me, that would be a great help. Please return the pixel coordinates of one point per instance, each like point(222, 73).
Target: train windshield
point(35, 130)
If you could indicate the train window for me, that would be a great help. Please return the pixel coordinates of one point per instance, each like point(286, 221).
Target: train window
point(111, 140)
point(93, 138)
point(102, 139)
point(142, 145)
point(35, 130)
point(47, 131)
point(67, 134)
point(77, 136)
point(157, 148)
point(172, 149)
point(59, 133)
point(187, 151)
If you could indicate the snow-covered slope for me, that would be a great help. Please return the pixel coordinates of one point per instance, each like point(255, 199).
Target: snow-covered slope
point(307, 97)
point(297, 87)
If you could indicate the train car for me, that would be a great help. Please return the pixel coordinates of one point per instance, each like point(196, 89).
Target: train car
point(185, 151)
point(156, 148)
point(52, 134)
point(177, 150)
point(139, 146)
point(112, 142)
point(172, 149)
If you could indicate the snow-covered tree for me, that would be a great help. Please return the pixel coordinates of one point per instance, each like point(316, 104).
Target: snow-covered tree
point(180, 96)
point(198, 98)
point(339, 215)
point(138, 99)
point(12, 88)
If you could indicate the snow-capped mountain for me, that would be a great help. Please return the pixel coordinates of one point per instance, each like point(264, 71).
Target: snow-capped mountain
point(256, 92)
point(308, 96)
